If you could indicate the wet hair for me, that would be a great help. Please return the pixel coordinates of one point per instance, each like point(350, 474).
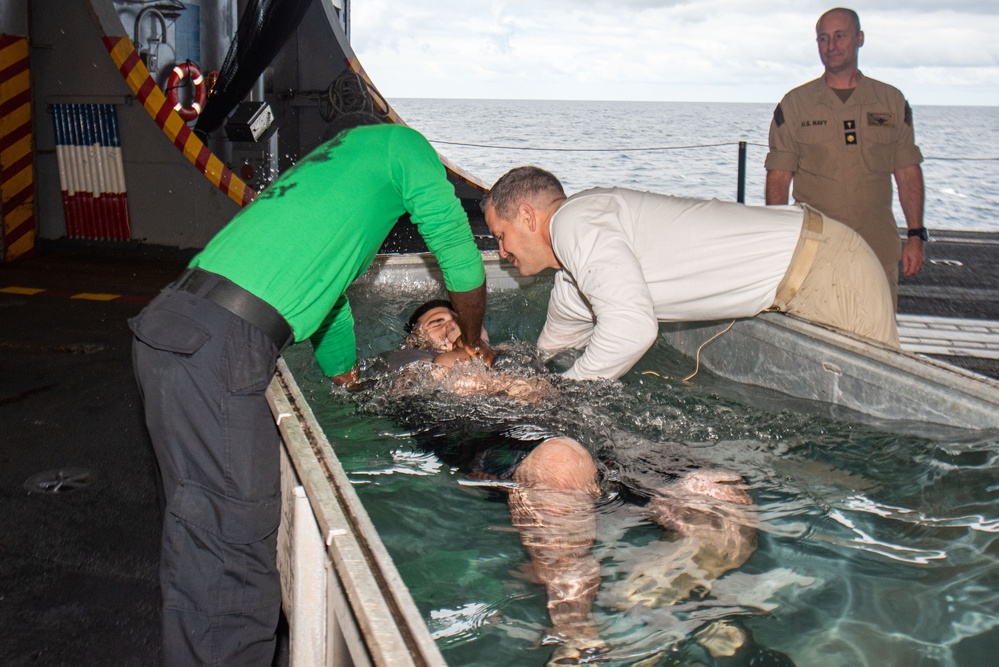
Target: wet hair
point(852, 15)
point(518, 185)
point(424, 309)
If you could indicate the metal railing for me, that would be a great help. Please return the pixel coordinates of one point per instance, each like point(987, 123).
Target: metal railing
point(742, 147)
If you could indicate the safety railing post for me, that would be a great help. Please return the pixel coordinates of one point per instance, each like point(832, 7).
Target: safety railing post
point(740, 193)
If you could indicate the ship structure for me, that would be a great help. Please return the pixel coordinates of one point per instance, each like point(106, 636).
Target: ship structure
point(131, 131)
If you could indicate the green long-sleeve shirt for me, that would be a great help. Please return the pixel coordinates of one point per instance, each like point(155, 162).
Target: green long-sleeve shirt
point(301, 243)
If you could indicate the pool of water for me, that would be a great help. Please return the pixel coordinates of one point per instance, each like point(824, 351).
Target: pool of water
point(876, 544)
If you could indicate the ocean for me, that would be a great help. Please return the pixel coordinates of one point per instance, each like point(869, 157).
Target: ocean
point(691, 149)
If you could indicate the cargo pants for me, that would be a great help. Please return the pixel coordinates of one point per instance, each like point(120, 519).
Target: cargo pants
point(202, 373)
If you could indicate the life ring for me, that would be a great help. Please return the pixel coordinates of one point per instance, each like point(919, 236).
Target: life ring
point(177, 76)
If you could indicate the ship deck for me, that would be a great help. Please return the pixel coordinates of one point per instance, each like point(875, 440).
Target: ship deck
point(80, 539)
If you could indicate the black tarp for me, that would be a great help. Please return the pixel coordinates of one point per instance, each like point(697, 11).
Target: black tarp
point(263, 29)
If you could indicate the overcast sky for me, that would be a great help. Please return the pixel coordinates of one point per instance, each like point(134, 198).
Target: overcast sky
point(935, 51)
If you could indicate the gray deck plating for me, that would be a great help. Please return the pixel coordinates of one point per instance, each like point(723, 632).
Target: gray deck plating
point(949, 336)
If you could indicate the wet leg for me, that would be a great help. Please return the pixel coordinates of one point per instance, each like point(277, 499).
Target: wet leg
point(552, 508)
point(712, 530)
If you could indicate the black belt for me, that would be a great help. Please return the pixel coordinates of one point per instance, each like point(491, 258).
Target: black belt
point(223, 292)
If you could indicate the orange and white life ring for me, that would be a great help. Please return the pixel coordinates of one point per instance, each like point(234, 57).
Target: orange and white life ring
point(177, 76)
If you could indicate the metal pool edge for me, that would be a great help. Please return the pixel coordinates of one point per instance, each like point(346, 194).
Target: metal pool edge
point(419, 268)
point(806, 360)
point(341, 593)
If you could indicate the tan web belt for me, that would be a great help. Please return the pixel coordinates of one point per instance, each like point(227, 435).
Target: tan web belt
point(801, 260)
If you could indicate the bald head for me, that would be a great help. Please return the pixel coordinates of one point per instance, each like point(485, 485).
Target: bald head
point(839, 39)
point(848, 14)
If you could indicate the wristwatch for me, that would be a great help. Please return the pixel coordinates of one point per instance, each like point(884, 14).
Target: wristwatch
point(920, 232)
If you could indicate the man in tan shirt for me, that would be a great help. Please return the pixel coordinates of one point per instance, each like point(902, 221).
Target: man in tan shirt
point(840, 138)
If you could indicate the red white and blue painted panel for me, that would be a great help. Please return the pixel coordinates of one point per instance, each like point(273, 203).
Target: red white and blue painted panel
point(91, 174)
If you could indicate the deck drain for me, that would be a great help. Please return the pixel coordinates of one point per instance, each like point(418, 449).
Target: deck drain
point(63, 480)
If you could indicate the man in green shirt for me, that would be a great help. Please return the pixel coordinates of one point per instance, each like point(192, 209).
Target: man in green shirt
point(205, 351)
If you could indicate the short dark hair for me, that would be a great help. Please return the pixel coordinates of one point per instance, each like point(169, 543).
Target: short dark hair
point(519, 184)
point(425, 308)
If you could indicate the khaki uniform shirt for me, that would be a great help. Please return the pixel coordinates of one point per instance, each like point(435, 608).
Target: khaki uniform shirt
point(843, 155)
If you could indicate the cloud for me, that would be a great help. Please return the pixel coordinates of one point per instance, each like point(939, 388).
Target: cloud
point(973, 7)
point(720, 50)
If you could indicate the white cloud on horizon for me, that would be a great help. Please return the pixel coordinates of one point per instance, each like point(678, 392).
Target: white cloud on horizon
point(664, 50)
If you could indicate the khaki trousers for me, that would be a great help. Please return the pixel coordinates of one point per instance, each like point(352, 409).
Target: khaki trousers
point(839, 282)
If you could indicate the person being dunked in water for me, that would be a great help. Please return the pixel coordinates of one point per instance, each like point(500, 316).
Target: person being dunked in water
point(552, 484)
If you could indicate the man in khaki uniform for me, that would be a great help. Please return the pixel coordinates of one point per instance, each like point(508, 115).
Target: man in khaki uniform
point(840, 138)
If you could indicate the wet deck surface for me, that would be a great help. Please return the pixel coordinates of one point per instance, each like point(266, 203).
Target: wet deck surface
point(78, 566)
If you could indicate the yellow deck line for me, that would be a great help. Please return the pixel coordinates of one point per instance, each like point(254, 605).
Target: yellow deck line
point(91, 296)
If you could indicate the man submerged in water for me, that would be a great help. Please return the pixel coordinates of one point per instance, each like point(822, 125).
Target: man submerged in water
point(432, 344)
point(552, 485)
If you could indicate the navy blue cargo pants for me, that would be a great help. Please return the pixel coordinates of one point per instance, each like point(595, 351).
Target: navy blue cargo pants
point(202, 372)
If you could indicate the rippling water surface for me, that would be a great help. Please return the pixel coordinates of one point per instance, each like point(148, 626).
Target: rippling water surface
point(960, 144)
point(876, 545)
